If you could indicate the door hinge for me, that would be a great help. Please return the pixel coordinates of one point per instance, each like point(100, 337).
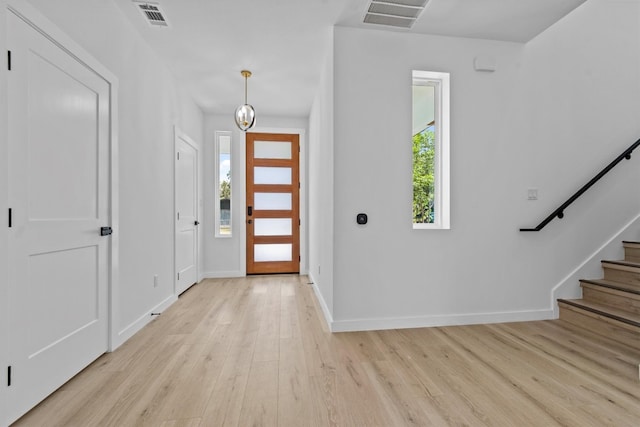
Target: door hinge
point(10, 218)
point(299, 222)
point(178, 155)
point(178, 216)
point(8, 376)
point(299, 258)
point(9, 60)
point(178, 276)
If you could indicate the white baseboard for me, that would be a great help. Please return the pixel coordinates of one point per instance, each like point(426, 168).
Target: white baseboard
point(222, 274)
point(129, 331)
point(425, 321)
point(323, 304)
point(439, 320)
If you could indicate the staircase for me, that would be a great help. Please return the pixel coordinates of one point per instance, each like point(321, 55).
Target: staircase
point(610, 306)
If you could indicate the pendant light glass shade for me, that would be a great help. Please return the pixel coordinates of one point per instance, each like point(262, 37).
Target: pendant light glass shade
point(245, 114)
point(245, 117)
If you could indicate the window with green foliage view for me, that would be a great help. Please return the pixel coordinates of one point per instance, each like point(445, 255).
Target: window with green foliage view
point(223, 184)
point(430, 141)
point(423, 179)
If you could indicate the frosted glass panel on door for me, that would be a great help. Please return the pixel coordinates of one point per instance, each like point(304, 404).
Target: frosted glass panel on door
point(275, 252)
point(267, 175)
point(271, 150)
point(272, 227)
point(272, 201)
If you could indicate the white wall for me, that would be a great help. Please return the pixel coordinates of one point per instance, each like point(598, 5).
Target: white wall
point(222, 256)
point(321, 189)
point(553, 114)
point(582, 82)
point(225, 256)
point(151, 102)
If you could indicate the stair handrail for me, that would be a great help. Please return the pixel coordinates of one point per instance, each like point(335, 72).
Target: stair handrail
point(559, 213)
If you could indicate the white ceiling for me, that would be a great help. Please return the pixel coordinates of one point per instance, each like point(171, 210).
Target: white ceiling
point(285, 42)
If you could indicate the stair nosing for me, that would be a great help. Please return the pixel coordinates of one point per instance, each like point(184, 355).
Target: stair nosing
point(601, 313)
point(622, 263)
point(611, 285)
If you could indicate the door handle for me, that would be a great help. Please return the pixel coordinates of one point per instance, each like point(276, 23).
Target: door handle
point(196, 222)
point(249, 210)
point(105, 231)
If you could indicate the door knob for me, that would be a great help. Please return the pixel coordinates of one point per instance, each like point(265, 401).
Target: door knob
point(249, 222)
point(105, 231)
point(196, 222)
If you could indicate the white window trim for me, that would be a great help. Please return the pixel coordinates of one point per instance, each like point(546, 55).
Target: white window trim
point(217, 188)
point(440, 81)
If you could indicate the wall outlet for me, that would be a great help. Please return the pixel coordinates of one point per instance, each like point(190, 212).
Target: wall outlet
point(155, 280)
point(532, 194)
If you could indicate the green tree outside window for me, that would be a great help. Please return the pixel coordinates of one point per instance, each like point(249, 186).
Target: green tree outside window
point(423, 176)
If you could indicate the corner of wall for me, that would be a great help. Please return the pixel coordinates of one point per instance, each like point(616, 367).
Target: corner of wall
point(323, 304)
point(321, 186)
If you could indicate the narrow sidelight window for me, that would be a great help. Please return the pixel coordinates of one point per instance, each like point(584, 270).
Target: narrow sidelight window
point(223, 184)
point(430, 143)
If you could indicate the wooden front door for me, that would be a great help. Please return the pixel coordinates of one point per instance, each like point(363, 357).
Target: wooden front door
point(273, 212)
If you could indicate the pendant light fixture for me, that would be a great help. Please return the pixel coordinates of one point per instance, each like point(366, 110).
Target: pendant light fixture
point(245, 114)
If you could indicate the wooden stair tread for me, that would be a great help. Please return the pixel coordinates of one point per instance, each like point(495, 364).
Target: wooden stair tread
point(611, 305)
point(622, 263)
point(624, 287)
point(605, 310)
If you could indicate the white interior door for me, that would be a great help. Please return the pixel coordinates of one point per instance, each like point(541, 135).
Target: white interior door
point(59, 198)
point(186, 188)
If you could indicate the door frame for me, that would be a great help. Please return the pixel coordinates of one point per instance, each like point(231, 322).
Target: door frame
point(301, 132)
point(177, 135)
point(40, 23)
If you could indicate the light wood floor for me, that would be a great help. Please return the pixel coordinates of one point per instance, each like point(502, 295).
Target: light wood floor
point(254, 352)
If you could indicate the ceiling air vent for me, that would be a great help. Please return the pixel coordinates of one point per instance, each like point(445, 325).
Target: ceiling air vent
point(152, 13)
point(394, 13)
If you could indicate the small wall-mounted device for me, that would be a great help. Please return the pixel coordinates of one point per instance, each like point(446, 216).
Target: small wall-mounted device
point(361, 218)
point(484, 63)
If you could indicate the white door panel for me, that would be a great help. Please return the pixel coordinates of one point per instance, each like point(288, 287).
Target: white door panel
point(186, 194)
point(49, 287)
point(58, 192)
point(65, 108)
